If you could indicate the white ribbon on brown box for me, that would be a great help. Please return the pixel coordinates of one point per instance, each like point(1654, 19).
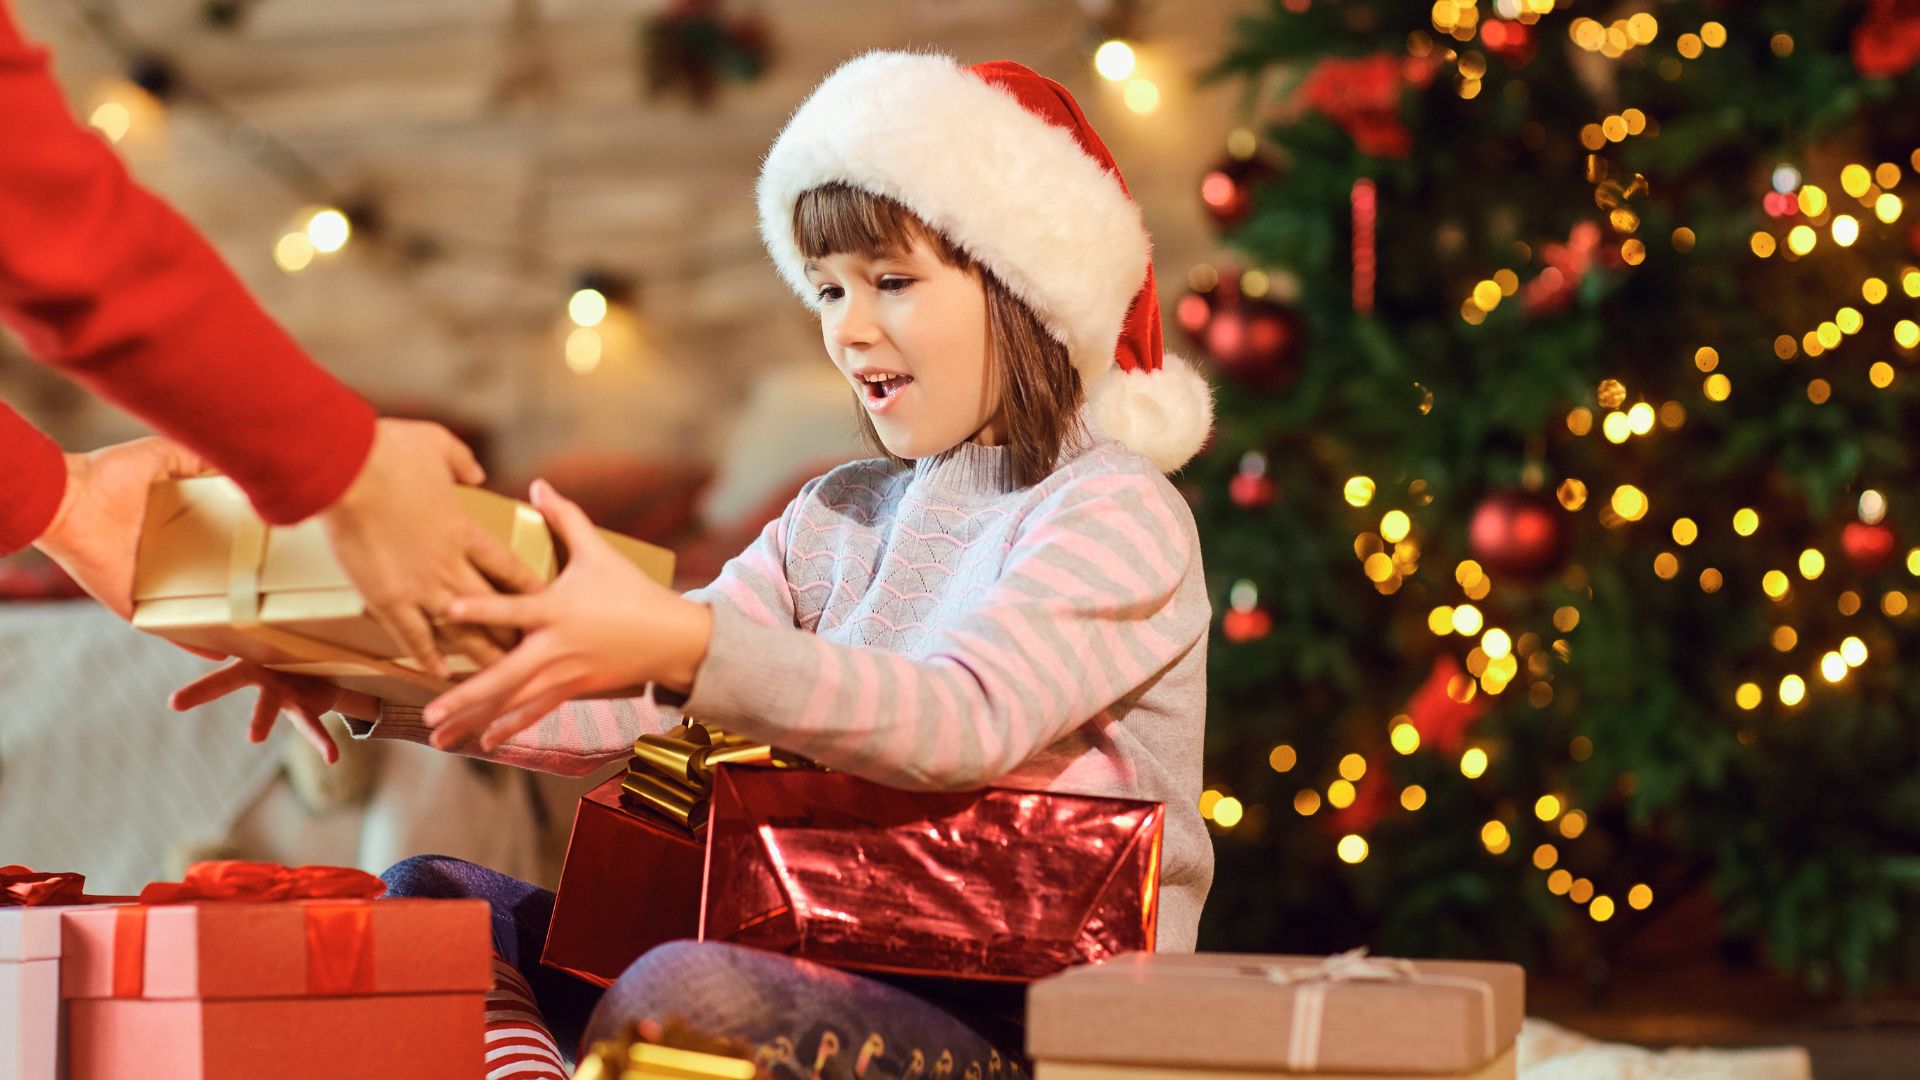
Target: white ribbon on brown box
point(1314, 981)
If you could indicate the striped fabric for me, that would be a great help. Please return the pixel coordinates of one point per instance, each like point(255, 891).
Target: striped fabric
point(937, 627)
point(518, 1043)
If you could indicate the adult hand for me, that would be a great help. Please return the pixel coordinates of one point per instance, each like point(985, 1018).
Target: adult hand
point(409, 547)
point(601, 625)
point(305, 697)
point(95, 534)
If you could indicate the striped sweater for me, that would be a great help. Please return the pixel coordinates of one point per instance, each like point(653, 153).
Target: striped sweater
point(937, 627)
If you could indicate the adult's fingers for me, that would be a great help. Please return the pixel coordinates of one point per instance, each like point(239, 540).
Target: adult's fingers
point(265, 711)
point(178, 461)
point(315, 731)
point(477, 643)
point(466, 468)
point(471, 642)
point(491, 556)
point(215, 684)
point(407, 624)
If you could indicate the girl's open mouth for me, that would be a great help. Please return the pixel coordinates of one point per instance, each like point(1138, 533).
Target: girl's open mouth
point(881, 395)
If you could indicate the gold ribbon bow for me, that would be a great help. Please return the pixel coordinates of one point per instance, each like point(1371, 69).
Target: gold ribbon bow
point(672, 774)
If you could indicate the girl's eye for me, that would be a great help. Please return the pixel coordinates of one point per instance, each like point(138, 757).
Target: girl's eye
point(829, 293)
point(894, 284)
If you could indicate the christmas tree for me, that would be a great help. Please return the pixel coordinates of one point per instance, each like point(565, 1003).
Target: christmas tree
point(1561, 504)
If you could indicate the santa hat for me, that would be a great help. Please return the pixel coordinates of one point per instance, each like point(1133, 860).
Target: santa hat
point(1003, 163)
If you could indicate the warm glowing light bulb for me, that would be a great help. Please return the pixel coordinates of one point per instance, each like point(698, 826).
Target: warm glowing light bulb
point(587, 307)
point(1793, 690)
point(1473, 763)
point(1114, 60)
point(1353, 849)
point(328, 230)
point(1142, 96)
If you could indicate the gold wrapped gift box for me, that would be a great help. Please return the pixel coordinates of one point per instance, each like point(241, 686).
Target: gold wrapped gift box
point(644, 1061)
point(211, 575)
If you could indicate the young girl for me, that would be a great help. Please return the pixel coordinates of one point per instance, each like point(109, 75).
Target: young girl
point(1011, 595)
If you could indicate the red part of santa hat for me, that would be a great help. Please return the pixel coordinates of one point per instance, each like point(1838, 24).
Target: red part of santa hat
point(1002, 162)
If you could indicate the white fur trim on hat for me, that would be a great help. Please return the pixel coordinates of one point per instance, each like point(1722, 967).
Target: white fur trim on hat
point(1015, 192)
point(1163, 415)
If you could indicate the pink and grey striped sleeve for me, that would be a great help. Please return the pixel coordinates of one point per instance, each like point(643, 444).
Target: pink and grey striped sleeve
point(1089, 607)
point(581, 736)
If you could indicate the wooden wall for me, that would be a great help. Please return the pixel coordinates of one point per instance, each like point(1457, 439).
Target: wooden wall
point(516, 129)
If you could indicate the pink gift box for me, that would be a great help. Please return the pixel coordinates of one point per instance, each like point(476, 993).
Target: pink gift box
point(30, 992)
point(301, 990)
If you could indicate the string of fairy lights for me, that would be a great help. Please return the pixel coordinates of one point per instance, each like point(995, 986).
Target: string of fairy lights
point(603, 317)
point(1389, 550)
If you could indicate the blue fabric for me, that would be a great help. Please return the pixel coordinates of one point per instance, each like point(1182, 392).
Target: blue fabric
point(802, 1019)
point(521, 913)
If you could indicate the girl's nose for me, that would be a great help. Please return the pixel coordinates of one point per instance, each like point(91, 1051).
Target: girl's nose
point(855, 328)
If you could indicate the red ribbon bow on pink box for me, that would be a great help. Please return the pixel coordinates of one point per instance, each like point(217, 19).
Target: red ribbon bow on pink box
point(261, 882)
point(339, 941)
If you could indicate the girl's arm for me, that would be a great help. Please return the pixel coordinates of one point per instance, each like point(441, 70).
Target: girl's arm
point(580, 736)
point(1102, 591)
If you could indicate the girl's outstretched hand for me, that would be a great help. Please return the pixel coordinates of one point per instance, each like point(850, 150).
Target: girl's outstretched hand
point(601, 625)
point(305, 697)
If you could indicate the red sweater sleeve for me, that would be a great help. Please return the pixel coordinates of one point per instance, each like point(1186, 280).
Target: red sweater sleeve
point(111, 287)
point(31, 484)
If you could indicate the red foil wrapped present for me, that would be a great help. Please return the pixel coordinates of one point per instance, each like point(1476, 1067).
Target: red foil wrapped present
point(999, 884)
point(631, 881)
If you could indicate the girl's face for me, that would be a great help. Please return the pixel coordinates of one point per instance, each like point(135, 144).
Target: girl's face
point(922, 325)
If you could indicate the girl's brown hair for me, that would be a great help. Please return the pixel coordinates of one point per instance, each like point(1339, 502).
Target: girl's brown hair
point(1040, 392)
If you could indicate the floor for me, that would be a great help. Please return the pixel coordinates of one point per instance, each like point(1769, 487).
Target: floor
point(1706, 1005)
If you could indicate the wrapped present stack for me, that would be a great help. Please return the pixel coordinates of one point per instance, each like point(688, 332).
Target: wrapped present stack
point(253, 969)
point(712, 836)
point(1228, 1017)
point(211, 575)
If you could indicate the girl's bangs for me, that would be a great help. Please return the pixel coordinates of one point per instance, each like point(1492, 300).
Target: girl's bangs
point(839, 219)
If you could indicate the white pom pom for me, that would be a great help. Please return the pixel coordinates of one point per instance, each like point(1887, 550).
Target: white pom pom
point(1163, 415)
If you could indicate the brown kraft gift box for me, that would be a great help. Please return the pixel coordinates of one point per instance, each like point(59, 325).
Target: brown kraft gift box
point(1204, 1016)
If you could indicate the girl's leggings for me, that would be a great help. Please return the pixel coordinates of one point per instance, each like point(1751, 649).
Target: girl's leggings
point(804, 1021)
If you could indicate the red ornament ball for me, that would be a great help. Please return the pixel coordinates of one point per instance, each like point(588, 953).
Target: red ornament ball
point(1512, 42)
point(1226, 190)
point(1194, 312)
point(1248, 624)
point(1868, 547)
point(1250, 491)
point(1255, 342)
point(1517, 533)
point(1886, 43)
